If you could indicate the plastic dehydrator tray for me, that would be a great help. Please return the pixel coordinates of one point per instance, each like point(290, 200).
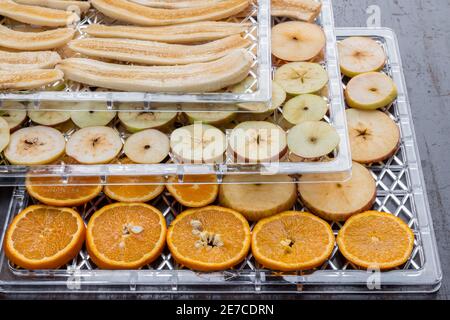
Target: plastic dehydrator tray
point(401, 191)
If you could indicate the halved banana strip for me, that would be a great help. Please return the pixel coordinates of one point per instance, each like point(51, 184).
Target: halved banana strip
point(174, 4)
point(4, 133)
point(199, 77)
point(157, 53)
point(28, 60)
point(43, 40)
point(305, 10)
point(83, 6)
point(28, 79)
point(94, 145)
point(142, 15)
point(37, 15)
point(35, 145)
point(148, 146)
point(49, 118)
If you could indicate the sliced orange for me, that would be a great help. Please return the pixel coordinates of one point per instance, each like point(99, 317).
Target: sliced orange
point(195, 191)
point(125, 235)
point(292, 241)
point(134, 188)
point(376, 240)
point(53, 192)
point(209, 239)
point(42, 237)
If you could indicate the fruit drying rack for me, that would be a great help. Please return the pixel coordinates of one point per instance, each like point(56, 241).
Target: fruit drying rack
point(400, 190)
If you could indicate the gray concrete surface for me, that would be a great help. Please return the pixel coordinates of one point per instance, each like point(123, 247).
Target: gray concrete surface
point(423, 29)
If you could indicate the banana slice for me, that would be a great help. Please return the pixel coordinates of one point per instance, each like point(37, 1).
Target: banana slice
point(301, 77)
point(83, 6)
point(305, 10)
point(198, 143)
point(95, 115)
point(35, 145)
point(142, 15)
point(28, 79)
point(182, 33)
point(4, 134)
point(37, 15)
point(49, 118)
point(137, 121)
point(28, 60)
point(339, 201)
point(157, 53)
point(360, 55)
point(297, 41)
point(258, 141)
point(370, 91)
point(43, 40)
point(94, 145)
point(312, 139)
point(14, 113)
point(148, 146)
point(245, 194)
point(168, 4)
point(374, 137)
point(198, 77)
point(305, 107)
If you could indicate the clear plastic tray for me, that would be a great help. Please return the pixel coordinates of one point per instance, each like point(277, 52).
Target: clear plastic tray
point(401, 191)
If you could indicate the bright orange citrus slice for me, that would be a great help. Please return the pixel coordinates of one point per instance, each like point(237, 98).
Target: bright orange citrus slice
point(376, 240)
point(42, 237)
point(134, 188)
point(292, 241)
point(125, 235)
point(209, 239)
point(53, 192)
point(200, 193)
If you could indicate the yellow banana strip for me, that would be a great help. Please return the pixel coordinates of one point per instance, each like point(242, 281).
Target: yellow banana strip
point(57, 4)
point(28, 60)
point(305, 10)
point(174, 4)
point(28, 79)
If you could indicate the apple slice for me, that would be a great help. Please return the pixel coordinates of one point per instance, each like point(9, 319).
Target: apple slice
point(258, 141)
point(93, 114)
point(140, 120)
point(359, 55)
point(297, 40)
point(338, 201)
point(4, 134)
point(370, 91)
point(374, 137)
point(305, 107)
point(312, 139)
point(301, 77)
point(14, 113)
point(49, 118)
point(147, 146)
point(218, 117)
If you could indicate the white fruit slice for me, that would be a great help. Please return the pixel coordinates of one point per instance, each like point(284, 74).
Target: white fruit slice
point(148, 146)
point(312, 139)
point(359, 55)
point(258, 141)
point(297, 40)
point(214, 118)
point(14, 113)
point(301, 77)
point(198, 143)
point(244, 193)
point(370, 91)
point(339, 201)
point(49, 118)
point(139, 120)
point(305, 107)
point(4, 134)
point(35, 145)
point(95, 115)
point(374, 136)
point(94, 145)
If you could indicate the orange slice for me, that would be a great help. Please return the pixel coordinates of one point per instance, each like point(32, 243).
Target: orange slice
point(209, 239)
point(376, 240)
point(201, 192)
point(292, 241)
point(134, 188)
point(42, 237)
point(125, 235)
point(51, 191)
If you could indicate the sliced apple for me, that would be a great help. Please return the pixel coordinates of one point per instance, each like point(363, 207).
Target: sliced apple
point(4, 134)
point(92, 114)
point(301, 77)
point(49, 118)
point(14, 113)
point(140, 120)
point(147, 146)
point(305, 107)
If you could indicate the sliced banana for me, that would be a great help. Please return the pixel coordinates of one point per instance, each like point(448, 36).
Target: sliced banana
point(374, 137)
point(148, 146)
point(305, 107)
point(95, 115)
point(312, 139)
point(94, 145)
point(135, 121)
point(258, 141)
point(35, 145)
point(14, 113)
point(198, 143)
point(49, 118)
point(359, 55)
point(4, 134)
point(301, 77)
